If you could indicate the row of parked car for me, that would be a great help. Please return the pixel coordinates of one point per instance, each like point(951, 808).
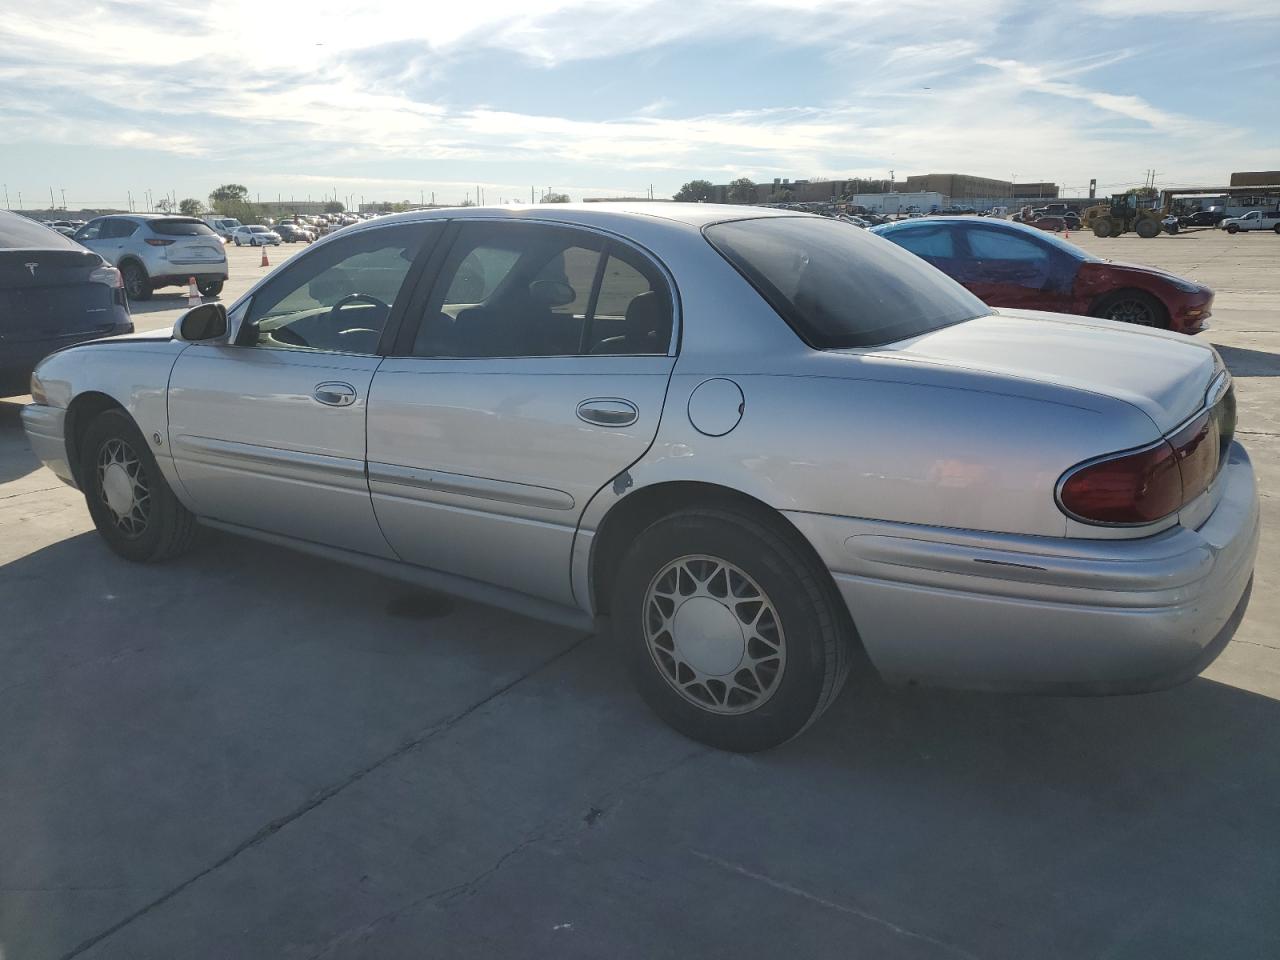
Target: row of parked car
point(766, 448)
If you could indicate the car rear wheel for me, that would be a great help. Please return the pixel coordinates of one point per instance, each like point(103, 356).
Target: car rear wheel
point(137, 285)
point(210, 288)
point(1133, 306)
point(732, 635)
point(132, 506)
point(1277, 228)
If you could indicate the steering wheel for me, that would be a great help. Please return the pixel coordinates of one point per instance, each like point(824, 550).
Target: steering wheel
point(356, 298)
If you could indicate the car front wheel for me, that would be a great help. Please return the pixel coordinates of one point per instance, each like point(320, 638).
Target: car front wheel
point(732, 635)
point(132, 506)
point(1233, 228)
point(1133, 306)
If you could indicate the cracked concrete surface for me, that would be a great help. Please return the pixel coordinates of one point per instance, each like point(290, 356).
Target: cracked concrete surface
point(254, 754)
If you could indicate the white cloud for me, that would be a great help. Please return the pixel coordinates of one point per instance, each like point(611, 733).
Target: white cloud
point(1215, 9)
point(329, 89)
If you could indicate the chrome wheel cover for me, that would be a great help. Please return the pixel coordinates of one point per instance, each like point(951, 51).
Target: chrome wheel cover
point(714, 635)
point(123, 488)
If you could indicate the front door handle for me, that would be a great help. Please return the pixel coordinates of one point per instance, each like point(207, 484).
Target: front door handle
point(608, 412)
point(335, 393)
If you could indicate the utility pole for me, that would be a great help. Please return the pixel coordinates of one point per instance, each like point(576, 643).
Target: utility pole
point(64, 198)
point(6, 196)
point(433, 198)
point(53, 204)
point(531, 194)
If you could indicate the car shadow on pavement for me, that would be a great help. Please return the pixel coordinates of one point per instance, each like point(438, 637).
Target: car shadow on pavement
point(1243, 362)
point(161, 301)
point(156, 716)
point(16, 458)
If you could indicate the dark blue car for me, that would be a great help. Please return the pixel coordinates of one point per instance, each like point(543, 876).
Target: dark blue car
point(53, 293)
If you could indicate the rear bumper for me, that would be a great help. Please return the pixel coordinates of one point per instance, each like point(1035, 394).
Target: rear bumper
point(46, 432)
point(17, 360)
point(203, 274)
point(1046, 615)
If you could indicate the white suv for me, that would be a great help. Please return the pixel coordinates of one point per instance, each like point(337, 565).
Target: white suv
point(155, 250)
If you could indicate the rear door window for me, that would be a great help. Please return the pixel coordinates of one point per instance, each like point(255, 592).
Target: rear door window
point(840, 287)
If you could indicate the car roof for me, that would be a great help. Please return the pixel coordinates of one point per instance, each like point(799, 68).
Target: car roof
point(615, 213)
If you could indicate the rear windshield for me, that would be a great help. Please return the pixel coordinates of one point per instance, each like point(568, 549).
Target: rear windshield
point(838, 286)
point(19, 233)
point(180, 228)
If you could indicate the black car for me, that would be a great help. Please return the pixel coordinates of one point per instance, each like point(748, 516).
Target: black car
point(53, 293)
point(1203, 218)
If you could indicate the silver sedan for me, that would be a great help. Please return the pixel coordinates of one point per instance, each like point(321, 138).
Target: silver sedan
point(763, 445)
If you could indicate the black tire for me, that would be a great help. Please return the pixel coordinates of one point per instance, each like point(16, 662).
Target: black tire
point(1147, 228)
point(1233, 228)
point(137, 285)
point(805, 612)
point(237, 242)
point(1277, 228)
point(1102, 227)
point(158, 527)
point(210, 288)
point(1133, 306)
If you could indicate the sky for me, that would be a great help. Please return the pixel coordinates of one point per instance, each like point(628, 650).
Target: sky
point(397, 100)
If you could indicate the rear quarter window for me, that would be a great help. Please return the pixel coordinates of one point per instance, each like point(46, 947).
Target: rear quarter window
point(838, 286)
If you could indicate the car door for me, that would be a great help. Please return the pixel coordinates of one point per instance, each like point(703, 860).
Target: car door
point(106, 237)
point(530, 374)
point(1007, 267)
point(269, 432)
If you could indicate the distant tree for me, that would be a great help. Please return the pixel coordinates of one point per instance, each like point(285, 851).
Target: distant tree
point(1143, 193)
point(696, 191)
point(552, 197)
point(333, 206)
point(164, 204)
point(191, 207)
point(230, 192)
point(784, 196)
point(742, 190)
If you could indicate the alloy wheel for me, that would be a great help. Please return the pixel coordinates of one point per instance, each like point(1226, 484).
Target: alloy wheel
point(123, 487)
point(714, 634)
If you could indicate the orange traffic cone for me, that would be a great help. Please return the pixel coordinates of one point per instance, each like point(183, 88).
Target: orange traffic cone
point(265, 261)
point(193, 293)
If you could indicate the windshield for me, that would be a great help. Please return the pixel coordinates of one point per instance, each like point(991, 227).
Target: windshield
point(259, 230)
point(838, 286)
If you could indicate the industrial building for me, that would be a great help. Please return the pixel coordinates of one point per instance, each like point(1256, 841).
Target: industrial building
point(923, 192)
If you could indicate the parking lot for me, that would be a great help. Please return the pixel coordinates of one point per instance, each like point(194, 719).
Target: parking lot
point(251, 753)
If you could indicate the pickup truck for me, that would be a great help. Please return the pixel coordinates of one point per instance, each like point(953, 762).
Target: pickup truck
point(1253, 220)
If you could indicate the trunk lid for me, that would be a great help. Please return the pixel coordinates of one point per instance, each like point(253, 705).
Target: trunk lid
point(47, 294)
point(1164, 375)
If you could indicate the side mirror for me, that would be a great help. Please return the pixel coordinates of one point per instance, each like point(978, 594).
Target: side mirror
point(202, 324)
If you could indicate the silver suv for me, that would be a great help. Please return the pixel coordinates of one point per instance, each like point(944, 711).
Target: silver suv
point(156, 250)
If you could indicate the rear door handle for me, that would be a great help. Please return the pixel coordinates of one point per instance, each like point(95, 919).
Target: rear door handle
point(608, 412)
point(335, 393)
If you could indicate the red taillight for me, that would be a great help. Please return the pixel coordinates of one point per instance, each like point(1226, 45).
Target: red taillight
point(1138, 488)
point(1133, 488)
point(158, 242)
point(1198, 448)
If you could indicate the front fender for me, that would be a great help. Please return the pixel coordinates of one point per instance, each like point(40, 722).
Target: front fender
point(133, 373)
